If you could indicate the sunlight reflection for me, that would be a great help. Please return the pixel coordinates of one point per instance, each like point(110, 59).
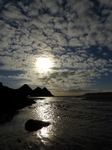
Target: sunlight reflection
point(45, 112)
point(45, 133)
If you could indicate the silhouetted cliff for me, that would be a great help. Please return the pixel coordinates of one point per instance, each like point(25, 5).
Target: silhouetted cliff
point(25, 90)
point(13, 99)
point(107, 96)
point(40, 92)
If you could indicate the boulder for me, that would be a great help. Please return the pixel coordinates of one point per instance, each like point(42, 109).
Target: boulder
point(34, 125)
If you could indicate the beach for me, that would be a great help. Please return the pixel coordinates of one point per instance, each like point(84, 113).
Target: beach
point(74, 124)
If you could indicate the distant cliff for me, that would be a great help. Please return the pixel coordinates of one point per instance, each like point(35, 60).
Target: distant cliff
point(107, 96)
point(26, 90)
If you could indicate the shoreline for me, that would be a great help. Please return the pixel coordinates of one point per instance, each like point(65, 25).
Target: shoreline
point(9, 106)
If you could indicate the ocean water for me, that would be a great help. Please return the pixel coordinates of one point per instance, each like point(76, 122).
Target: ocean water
point(76, 124)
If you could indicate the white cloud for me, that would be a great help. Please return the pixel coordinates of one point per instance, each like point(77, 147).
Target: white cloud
point(65, 34)
point(11, 12)
point(51, 5)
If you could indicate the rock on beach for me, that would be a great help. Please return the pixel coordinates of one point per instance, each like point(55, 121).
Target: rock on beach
point(34, 125)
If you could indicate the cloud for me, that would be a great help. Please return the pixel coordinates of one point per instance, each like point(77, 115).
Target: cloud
point(76, 35)
point(107, 3)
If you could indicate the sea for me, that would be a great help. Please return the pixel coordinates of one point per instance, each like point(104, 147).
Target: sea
point(76, 124)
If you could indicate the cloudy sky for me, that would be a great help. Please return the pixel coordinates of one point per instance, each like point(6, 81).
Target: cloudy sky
point(75, 35)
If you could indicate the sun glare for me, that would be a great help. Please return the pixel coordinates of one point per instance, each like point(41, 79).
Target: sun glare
point(44, 64)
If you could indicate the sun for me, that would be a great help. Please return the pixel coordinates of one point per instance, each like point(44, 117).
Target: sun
point(43, 65)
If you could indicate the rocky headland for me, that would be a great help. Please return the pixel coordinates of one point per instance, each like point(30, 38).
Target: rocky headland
point(13, 99)
point(101, 96)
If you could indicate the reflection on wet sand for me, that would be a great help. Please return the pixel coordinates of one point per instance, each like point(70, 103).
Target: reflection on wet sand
point(45, 134)
point(44, 112)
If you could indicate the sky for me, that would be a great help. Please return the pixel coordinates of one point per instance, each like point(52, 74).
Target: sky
point(75, 35)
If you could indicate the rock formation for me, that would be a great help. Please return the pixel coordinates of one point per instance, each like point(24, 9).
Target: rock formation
point(13, 99)
point(34, 125)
